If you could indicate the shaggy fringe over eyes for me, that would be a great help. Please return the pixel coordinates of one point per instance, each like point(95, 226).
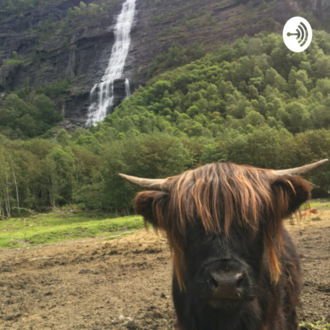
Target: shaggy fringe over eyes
point(220, 194)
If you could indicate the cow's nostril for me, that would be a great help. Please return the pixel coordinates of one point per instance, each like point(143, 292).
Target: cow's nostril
point(227, 279)
point(227, 284)
point(214, 282)
point(239, 279)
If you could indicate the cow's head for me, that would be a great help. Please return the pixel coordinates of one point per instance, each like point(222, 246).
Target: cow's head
point(221, 220)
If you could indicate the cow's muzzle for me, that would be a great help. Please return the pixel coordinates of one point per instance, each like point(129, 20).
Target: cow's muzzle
point(229, 288)
point(227, 285)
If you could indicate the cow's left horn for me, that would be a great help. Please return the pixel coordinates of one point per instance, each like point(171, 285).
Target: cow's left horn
point(152, 184)
point(302, 169)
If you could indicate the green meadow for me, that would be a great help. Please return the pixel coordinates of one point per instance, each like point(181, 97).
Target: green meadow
point(71, 223)
point(63, 224)
point(321, 203)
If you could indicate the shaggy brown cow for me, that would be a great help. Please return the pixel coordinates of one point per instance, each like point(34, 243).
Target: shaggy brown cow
point(235, 266)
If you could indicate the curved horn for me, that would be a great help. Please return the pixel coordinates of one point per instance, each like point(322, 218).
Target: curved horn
point(153, 184)
point(164, 184)
point(302, 169)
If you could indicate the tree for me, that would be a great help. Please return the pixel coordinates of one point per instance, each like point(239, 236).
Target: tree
point(254, 118)
point(60, 166)
point(5, 186)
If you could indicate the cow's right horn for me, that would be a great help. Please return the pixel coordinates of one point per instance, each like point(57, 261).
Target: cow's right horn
point(302, 169)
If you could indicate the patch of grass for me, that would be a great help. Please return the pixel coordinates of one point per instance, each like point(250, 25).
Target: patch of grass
point(13, 61)
point(320, 325)
point(321, 203)
point(61, 226)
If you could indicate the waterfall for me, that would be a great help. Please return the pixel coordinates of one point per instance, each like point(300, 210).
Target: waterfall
point(101, 94)
point(127, 88)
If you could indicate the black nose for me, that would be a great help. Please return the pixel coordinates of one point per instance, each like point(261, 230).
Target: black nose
point(227, 284)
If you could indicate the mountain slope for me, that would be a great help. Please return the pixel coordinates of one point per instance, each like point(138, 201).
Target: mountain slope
point(253, 102)
point(48, 42)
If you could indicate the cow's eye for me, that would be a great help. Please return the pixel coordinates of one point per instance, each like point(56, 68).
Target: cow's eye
point(208, 239)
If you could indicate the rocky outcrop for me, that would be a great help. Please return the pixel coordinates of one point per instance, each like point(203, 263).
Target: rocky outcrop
point(80, 53)
point(80, 50)
point(119, 91)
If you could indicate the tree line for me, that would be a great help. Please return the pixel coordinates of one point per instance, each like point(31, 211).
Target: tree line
point(40, 174)
point(253, 102)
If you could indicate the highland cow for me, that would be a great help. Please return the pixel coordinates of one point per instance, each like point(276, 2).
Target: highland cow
point(235, 265)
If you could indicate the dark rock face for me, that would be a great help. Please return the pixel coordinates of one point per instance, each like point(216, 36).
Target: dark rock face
point(119, 91)
point(81, 52)
point(76, 107)
point(80, 55)
point(211, 23)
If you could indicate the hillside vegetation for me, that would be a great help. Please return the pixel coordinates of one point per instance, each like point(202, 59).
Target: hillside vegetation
point(67, 44)
point(252, 102)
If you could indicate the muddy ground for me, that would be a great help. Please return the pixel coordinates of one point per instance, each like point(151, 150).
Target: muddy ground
point(126, 283)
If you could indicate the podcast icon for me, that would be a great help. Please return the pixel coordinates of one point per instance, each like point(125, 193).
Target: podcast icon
point(297, 34)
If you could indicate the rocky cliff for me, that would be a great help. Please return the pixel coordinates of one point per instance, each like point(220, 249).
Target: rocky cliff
point(72, 40)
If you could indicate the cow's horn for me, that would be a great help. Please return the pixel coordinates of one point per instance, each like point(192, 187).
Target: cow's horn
point(152, 184)
point(302, 169)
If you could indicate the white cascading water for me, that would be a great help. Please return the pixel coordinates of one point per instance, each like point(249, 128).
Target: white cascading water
point(102, 92)
point(127, 88)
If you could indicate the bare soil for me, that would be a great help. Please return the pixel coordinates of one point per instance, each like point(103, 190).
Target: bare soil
point(126, 283)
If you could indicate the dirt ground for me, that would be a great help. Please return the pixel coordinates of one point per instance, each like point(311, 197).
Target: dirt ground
point(126, 283)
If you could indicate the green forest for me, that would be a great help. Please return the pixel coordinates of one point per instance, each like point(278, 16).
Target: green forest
point(20, 7)
point(253, 102)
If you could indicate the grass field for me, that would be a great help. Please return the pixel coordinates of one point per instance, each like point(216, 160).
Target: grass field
point(321, 203)
point(61, 225)
point(70, 223)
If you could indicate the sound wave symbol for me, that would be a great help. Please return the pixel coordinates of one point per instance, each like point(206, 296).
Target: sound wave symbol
point(302, 34)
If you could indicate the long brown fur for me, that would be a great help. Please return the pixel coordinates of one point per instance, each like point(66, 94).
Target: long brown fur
point(220, 195)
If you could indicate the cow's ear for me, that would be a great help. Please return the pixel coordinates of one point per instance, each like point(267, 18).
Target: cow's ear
point(290, 191)
point(152, 205)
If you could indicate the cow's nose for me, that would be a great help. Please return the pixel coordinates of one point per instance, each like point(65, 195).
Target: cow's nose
point(227, 284)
